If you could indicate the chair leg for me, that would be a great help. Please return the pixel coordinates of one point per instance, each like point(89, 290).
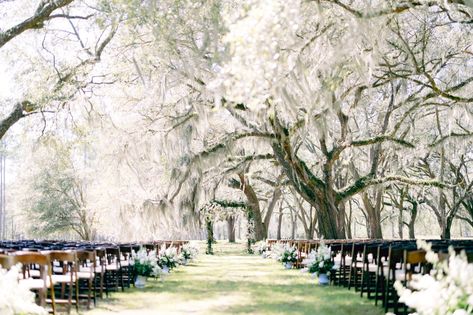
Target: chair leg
point(77, 294)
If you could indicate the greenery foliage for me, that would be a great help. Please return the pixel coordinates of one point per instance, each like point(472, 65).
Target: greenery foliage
point(289, 255)
point(59, 205)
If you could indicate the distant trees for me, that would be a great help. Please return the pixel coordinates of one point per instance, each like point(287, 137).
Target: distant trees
point(59, 204)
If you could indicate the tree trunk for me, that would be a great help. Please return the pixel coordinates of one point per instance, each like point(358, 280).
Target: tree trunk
point(253, 202)
point(210, 237)
point(278, 236)
point(400, 221)
point(274, 200)
point(373, 213)
point(231, 229)
point(348, 221)
point(293, 225)
point(327, 217)
point(411, 224)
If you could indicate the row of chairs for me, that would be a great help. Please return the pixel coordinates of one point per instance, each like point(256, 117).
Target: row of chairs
point(72, 273)
point(371, 267)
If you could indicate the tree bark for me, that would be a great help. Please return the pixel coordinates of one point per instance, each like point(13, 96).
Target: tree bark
point(15, 115)
point(42, 14)
point(280, 217)
point(272, 204)
point(231, 229)
point(373, 212)
point(210, 237)
point(253, 203)
point(293, 225)
point(412, 221)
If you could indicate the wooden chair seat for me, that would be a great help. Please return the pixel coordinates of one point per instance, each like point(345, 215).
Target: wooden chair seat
point(98, 269)
point(64, 278)
point(34, 284)
point(113, 267)
point(85, 275)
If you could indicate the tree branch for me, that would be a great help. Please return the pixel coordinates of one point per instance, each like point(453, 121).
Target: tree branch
point(42, 13)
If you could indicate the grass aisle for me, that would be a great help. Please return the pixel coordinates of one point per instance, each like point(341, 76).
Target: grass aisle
point(231, 282)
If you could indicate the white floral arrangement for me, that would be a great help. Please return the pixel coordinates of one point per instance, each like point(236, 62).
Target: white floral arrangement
point(288, 255)
point(447, 290)
point(189, 252)
point(146, 263)
point(15, 298)
point(168, 258)
point(320, 260)
point(277, 250)
point(263, 248)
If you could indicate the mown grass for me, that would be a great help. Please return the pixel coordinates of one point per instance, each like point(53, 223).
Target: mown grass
point(231, 282)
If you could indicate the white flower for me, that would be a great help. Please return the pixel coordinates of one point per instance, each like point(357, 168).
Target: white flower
point(445, 290)
point(16, 298)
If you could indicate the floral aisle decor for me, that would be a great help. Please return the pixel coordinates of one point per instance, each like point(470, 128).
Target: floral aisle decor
point(447, 290)
point(288, 257)
point(263, 249)
point(321, 264)
point(145, 264)
point(250, 231)
point(15, 298)
point(167, 259)
point(218, 210)
point(188, 252)
point(276, 251)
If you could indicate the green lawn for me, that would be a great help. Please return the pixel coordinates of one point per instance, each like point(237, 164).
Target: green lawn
point(231, 282)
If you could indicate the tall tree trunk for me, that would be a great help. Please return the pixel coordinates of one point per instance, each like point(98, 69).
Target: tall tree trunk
point(280, 217)
point(253, 203)
point(328, 219)
point(272, 204)
point(348, 220)
point(373, 213)
point(293, 225)
point(400, 224)
point(231, 229)
point(412, 221)
point(210, 236)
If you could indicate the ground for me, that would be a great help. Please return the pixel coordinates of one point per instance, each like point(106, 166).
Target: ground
point(231, 282)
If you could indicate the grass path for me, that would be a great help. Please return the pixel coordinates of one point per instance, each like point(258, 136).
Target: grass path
point(231, 282)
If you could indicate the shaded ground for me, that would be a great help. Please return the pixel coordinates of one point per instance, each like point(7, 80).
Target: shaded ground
point(231, 282)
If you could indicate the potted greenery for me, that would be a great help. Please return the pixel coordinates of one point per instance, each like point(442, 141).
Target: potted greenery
point(167, 259)
point(322, 264)
point(145, 264)
point(288, 257)
point(188, 252)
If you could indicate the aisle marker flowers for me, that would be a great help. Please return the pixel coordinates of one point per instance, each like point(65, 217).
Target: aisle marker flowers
point(319, 261)
point(16, 298)
point(447, 290)
point(146, 263)
point(188, 252)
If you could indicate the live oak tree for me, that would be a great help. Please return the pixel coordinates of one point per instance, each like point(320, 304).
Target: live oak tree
point(283, 97)
point(328, 100)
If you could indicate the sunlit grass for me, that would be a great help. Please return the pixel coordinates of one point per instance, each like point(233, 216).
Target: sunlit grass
point(231, 282)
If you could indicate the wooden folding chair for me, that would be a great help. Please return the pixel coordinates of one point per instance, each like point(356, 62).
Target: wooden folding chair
point(100, 271)
point(113, 274)
point(37, 280)
point(86, 269)
point(64, 265)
